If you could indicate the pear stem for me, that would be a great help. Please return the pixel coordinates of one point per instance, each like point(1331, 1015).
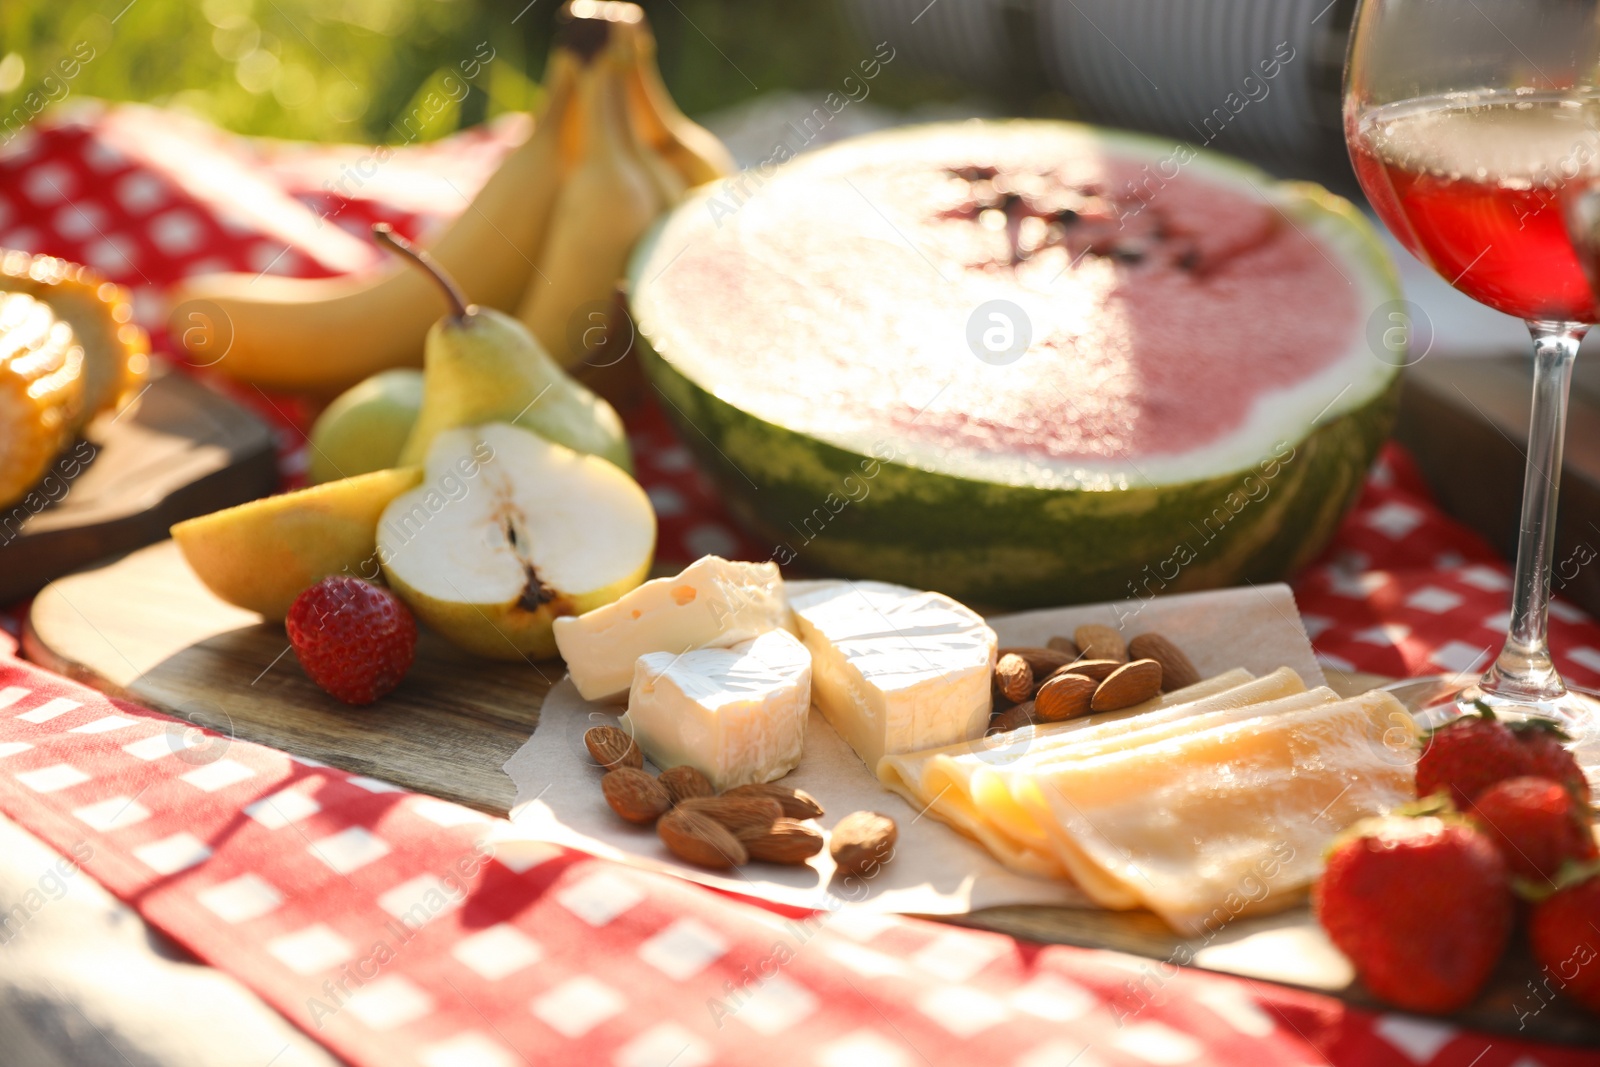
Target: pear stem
point(384, 234)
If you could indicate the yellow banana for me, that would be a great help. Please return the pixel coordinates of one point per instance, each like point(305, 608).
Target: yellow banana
point(606, 203)
point(323, 335)
point(691, 149)
point(670, 184)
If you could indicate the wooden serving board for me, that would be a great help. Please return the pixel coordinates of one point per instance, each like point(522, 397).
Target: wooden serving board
point(181, 450)
point(143, 627)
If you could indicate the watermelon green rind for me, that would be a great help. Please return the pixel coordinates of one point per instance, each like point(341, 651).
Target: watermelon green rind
point(874, 509)
point(835, 511)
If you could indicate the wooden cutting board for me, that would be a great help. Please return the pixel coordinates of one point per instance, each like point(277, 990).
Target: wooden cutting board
point(181, 450)
point(143, 627)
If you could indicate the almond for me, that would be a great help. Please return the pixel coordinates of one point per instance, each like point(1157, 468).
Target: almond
point(796, 803)
point(1014, 718)
point(1177, 670)
point(1100, 642)
point(1132, 683)
point(1064, 644)
point(1064, 696)
point(862, 841)
point(785, 841)
point(699, 838)
point(1040, 660)
point(1089, 668)
point(1013, 677)
point(738, 814)
point(634, 795)
point(685, 783)
point(612, 748)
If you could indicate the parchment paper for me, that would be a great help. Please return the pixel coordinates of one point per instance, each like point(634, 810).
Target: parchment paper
point(935, 870)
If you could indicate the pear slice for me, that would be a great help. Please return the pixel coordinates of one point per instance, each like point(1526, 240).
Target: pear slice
point(508, 532)
point(261, 555)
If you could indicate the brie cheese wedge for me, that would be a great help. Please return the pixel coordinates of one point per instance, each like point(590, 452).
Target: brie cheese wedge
point(893, 669)
point(714, 603)
point(738, 714)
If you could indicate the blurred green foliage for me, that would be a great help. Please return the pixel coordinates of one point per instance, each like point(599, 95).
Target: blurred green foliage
point(352, 70)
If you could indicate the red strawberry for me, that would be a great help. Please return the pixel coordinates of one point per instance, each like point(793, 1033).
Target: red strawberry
point(1421, 906)
point(1536, 824)
point(1565, 934)
point(1548, 757)
point(1472, 753)
point(354, 639)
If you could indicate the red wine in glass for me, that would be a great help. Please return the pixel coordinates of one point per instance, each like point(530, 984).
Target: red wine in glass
point(1482, 187)
point(1475, 132)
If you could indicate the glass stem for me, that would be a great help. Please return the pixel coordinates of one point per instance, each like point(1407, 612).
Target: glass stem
point(1523, 671)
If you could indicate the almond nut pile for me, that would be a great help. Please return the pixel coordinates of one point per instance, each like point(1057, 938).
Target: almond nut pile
point(767, 822)
point(1093, 670)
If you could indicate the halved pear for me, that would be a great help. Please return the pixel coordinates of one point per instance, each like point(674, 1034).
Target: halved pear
point(509, 531)
point(263, 554)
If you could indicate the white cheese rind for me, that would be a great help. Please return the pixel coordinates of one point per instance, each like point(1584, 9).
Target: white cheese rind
point(737, 714)
point(714, 603)
point(894, 669)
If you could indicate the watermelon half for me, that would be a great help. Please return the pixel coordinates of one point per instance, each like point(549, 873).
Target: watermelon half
point(1195, 405)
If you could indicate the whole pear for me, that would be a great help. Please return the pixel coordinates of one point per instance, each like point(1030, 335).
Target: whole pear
point(365, 428)
point(480, 366)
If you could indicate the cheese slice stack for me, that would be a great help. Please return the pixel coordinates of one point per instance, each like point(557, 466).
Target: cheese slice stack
point(894, 669)
point(1228, 819)
point(714, 603)
point(940, 781)
point(737, 714)
point(993, 799)
point(1201, 805)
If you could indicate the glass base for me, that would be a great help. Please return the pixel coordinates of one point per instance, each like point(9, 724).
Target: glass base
point(1439, 699)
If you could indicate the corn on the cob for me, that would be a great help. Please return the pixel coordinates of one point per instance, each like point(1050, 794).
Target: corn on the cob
point(116, 352)
point(41, 391)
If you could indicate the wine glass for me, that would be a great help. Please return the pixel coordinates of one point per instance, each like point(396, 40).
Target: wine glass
point(1474, 127)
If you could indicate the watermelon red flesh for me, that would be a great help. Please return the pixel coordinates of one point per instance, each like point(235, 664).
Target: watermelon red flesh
point(1198, 389)
point(1139, 317)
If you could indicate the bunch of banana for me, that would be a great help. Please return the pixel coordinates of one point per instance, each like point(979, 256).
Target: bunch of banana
point(546, 236)
point(69, 350)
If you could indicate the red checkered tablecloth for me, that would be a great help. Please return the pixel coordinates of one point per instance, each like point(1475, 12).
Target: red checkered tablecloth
point(398, 929)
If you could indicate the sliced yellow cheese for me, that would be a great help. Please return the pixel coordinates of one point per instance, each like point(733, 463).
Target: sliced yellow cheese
point(989, 788)
point(1212, 824)
point(1281, 683)
point(938, 780)
point(902, 772)
point(1045, 734)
